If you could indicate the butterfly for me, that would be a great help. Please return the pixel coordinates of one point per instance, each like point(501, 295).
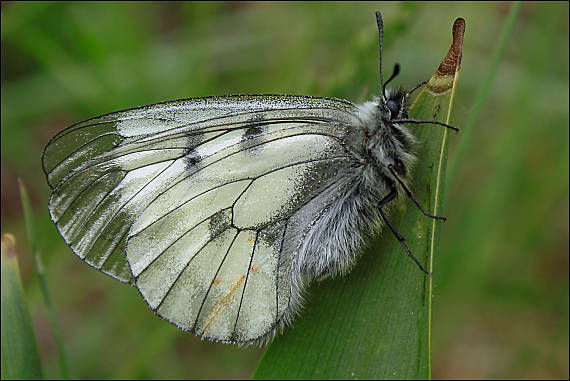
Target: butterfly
point(221, 210)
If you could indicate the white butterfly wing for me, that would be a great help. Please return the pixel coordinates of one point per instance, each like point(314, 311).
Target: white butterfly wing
point(202, 202)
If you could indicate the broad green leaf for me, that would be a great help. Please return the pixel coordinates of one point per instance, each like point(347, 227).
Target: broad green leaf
point(375, 322)
point(20, 359)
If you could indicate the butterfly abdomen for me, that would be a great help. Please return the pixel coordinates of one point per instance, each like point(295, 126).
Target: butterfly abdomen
point(334, 241)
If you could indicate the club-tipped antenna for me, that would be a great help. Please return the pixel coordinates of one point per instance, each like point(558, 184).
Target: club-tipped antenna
point(380, 37)
point(394, 74)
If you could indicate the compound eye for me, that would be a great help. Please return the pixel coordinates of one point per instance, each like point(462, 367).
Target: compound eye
point(394, 108)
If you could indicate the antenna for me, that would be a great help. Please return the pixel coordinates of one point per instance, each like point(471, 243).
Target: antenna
point(380, 37)
point(394, 74)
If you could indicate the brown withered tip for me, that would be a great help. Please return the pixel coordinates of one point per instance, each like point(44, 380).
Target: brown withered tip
point(8, 245)
point(452, 60)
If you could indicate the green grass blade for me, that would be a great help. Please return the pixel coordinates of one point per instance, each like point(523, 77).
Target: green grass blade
point(376, 321)
point(20, 358)
point(483, 91)
point(30, 225)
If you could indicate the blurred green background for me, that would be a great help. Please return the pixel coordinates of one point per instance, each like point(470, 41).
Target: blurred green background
point(501, 298)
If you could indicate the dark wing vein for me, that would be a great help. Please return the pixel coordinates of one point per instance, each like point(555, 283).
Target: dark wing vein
point(234, 181)
point(109, 220)
point(277, 275)
point(123, 237)
point(245, 283)
point(111, 191)
point(75, 127)
point(194, 132)
point(237, 153)
point(110, 157)
point(64, 211)
point(212, 282)
point(178, 239)
point(78, 150)
point(184, 269)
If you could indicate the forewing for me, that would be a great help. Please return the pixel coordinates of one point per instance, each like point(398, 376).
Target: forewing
point(197, 195)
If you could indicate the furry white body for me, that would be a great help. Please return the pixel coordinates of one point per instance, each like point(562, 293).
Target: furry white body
point(332, 245)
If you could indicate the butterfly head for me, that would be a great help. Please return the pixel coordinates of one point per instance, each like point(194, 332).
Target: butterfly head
point(394, 104)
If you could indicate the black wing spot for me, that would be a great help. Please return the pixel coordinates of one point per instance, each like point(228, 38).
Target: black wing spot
point(271, 234)
point(252, 132)
point(251, 136)
point(219, 222)
point(192, 158)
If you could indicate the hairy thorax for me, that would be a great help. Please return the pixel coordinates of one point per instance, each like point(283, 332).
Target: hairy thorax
point(382, 143)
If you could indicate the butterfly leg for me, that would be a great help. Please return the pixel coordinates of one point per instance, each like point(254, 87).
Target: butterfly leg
point(393, 193)
point(411, 195)
point(416, 121)
point(415, 88)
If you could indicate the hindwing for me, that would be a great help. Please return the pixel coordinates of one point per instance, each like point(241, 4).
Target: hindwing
point(201, 203)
